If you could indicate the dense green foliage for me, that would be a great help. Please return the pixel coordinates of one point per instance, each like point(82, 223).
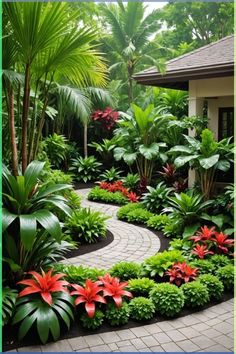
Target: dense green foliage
point(141, 286)
point(195, 294)
point(117, 316)
point(226, 276)
point(214, 286)
point(98, 194)
point(123, 212)
point(94, 322)
point(125, 270)
point(139, 216)
point(141, 308)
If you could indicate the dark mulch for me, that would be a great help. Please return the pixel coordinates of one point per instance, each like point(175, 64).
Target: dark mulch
point(82, 185)
point(76, 330)
point(90, 247)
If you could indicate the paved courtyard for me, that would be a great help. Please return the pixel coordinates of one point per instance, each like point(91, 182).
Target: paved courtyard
point(210, 330)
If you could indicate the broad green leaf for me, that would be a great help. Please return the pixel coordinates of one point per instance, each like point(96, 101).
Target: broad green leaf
point(209, 162)
point(190, 230)
point(23, 311)
point(32, 174)
point(7, 218)
point(28, 228)
point(130, 157)
point(53, 324)
point(218, 220)
point(193, 142)
point(149, 152)
point(181, 148)
point(182, 160)
point(49, 222)
point(52, 189)
point(63, 315)
point(119, 153)
point(42, 324)
point(26, 325)
point(12, 264)
point(223, 165)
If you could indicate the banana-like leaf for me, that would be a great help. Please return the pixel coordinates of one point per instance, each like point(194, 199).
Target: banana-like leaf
point(7, 218)
point(182, 160)
point(32, 174)
point(149, 152)
point(49, 222)
point(28, 227)
point(209, 162)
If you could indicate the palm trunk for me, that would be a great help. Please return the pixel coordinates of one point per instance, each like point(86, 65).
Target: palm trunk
point(40, 128)
point(13, 132)
point(85, 139)
point(130, 83)
point(25, 118)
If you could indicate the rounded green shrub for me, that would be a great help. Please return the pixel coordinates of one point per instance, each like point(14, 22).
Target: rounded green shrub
point(125, 270)
point(99, 194)
point(214, 286)
point(195, 294)
point(141, 286)
point(204, 266)
point(117, 316)
point(141, 308)
point(168, 299)
point(86, 225)
point(219, 261)
point(139, 216)
point(124, 210)
point(157, 222)
point(226, 275)
point(92, 323)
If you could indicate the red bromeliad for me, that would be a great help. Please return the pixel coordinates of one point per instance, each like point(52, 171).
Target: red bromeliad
point(44, 284)
point(201, 251)
point(89, 294)
point(118, 187)
point(114, 288)
point(104, 185)
point(204, 235)
point(133, 198)
point(222, 243)
point(181, 272)
point(169, 172)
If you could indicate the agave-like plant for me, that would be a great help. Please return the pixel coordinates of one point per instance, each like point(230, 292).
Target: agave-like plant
point(24, 204)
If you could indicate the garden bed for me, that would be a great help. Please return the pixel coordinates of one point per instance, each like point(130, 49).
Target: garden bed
point(9, 342)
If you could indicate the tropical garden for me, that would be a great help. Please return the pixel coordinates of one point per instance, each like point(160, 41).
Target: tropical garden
point(73, 118)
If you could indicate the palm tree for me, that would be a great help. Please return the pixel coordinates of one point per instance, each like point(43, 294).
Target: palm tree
point(129, 43)
point(50, 45)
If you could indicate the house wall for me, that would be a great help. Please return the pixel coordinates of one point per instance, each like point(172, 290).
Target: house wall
point(219, 93)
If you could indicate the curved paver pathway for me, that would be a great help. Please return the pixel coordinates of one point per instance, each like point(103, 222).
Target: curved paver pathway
point(210, 330)
point(131, 242)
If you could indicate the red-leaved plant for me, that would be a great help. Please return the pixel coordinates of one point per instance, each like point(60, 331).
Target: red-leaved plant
point(201, 251)
point(181, 272)
point(169, 173)
point(222, 242)
point(114, 288)
point(107, 118)
point(89, 294)
point(204, 235)
point(44, 284)
point(118, 187)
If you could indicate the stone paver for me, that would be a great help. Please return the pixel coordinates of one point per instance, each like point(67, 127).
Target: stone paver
point(210, 330)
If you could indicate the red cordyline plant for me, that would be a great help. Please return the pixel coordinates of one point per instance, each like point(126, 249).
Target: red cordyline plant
point(222, 242)
point(44, 284)
point(169, 173)
point(114, 288)
point(181, 272)
point(201, 251)
point(204, 235)
point(89, 295)
point(181, 185)
point(107, 118)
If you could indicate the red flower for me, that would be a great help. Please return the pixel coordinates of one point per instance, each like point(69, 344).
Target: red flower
point(201, 251)
point(104, 185)
point(181, 272)
point(222, 243)
point(88, 295)
point(133, 198)
point(44, 284)
point(115, 289)
point(204, 235)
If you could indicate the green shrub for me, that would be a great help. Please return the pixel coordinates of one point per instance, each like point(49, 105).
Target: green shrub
point(86, 225)
point(124, 210)
point(226, 275)
point(8, 303)
point(117, 316)
point(98, 194)
point(139, 216)
point(158, 221)
point(78, 274)
point(131, 181)
point(141, 308)
point(168, 299)
point(195, 294)
point(56, 148)
point(214, 286)
point(111, 175)
point(159, 263)
point(52, 177)
point(94, 322)
point(204, 266)
point(125, 270)
point(141, 286)
point(74, 200)
point(85, 169)
point(173, 229)
point(155, 199)
point(219, 261)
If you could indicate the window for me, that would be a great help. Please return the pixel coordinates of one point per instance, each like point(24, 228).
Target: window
point(226, 122)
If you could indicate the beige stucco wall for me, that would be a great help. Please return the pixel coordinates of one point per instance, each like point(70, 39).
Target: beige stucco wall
point(219, 93)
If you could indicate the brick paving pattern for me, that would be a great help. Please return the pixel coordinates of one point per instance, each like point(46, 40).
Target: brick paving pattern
point(210, 330)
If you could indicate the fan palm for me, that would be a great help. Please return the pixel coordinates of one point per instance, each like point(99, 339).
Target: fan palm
point(129, 44)
point(50, 46)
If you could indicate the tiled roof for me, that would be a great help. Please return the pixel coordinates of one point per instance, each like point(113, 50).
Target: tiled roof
point(214, 57)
